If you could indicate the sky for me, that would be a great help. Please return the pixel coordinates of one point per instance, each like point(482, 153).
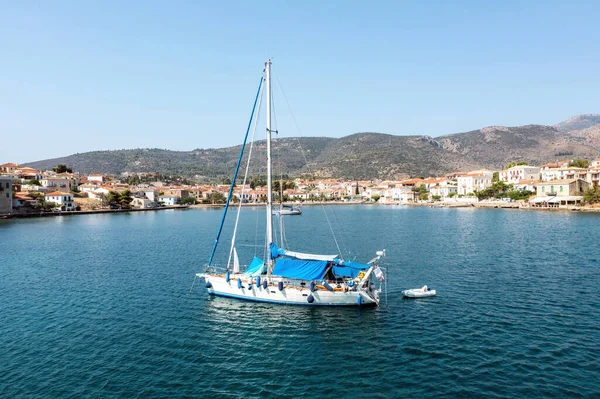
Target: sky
point(78, 76)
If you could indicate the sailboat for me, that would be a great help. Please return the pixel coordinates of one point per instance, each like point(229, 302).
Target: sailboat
point(285, 276)
point(288, 210)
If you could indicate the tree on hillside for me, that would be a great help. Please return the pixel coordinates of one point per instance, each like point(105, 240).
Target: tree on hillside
point(60, 168)
point(579, 163)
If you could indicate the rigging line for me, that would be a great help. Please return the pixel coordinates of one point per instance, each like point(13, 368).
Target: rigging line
point(281, 221)
point(331, 228)
point(237, 218)
point(295, 122)
point(237, 168)
point(304, 156)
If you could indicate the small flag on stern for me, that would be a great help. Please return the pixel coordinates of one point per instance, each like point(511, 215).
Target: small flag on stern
point(379, 273)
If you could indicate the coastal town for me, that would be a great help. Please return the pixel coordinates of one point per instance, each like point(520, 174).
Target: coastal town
point(559, 185)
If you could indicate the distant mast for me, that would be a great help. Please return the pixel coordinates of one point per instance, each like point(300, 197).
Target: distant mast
point(269, 172)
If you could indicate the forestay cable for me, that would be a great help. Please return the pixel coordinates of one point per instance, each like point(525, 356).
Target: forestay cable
point(237, 168)
point(237, 218)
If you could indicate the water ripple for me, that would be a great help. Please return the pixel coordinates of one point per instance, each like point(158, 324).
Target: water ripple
point(101, 308)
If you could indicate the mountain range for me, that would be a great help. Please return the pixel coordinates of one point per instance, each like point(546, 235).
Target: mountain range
point(362, 155)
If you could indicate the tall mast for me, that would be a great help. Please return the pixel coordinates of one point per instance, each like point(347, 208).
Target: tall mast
point(269, 171)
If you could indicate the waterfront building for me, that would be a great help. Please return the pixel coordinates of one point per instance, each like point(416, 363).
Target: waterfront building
point(443, 190)
point(566, 173)
point(62, 200)
point(402, 194)
point(168, 200)
point(593, 174)
point(560, 192)
point(518, 173)
point(142, 203)
point(22, 199)
point(474, 181)
point(526, 185)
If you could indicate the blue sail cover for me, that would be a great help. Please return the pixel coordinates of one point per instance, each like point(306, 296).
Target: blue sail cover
point(300, 269)
point(255, 268)
point(275, 251)
point(349, 269)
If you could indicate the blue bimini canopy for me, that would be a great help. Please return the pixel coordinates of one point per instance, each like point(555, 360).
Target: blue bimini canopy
point(300, 269)
point(349, 269)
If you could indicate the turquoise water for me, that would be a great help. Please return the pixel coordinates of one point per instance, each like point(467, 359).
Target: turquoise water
point(100, 306)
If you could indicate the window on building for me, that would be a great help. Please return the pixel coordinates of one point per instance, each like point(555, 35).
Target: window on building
point(561, 189)
point(543, 189)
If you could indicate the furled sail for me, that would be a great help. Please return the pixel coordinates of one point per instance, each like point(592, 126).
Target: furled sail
point(236, 261)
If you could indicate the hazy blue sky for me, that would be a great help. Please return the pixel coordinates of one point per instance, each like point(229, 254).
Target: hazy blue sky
point(78, 76)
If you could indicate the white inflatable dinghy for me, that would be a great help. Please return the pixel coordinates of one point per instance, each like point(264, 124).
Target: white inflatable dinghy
point(422, 292)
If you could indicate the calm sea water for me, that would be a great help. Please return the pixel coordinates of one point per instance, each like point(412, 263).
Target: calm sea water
point(100, 306)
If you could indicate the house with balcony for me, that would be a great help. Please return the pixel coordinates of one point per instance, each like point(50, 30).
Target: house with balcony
point(56, 183)
point(64, 201)
point(567, 173)
point(402, 194)
point(443, 190)
point(474, 181)
point(559, 193)
point(593, 175)
point(518, 173)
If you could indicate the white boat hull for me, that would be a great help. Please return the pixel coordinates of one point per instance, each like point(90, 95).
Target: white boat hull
point(418, 293)
point(290, 295)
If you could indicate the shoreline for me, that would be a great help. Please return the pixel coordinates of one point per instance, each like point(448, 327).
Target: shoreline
point(89, 212)
point(481, 205)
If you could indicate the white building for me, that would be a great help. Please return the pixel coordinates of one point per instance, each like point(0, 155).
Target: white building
point(96, 178)
point(56, 183)
point(563, 174)
point(519, 173)
point(474, 181)
point(402, 194)
point(142, 203)
point(62, 200)
point(168, 200)
point(443, 190)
